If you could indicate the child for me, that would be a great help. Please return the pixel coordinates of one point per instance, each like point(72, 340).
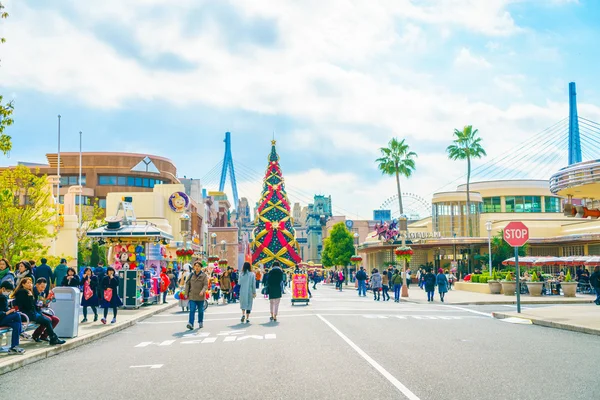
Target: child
point(9, 317)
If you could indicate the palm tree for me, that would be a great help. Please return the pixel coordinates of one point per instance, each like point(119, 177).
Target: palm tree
point(396, 159)
point(466, 146)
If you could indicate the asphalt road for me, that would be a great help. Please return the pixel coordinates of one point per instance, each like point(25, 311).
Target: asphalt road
point(340, 346)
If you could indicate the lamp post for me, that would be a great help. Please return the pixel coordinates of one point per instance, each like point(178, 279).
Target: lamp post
point(214, 242)
point(403, 228)
point(356, 235)
point(488, 227)
point(223, 249)
point(80, 185)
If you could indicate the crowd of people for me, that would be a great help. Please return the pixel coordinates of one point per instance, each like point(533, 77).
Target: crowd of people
point(26, 294)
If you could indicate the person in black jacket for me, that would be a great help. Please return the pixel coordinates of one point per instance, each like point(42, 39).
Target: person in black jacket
point(25, 302)
point(89, 293)
point(361, 277)
point(110, 282)
point(44, 271)
point(430, 284)
point(71, 279)
point(595, 282)
point(274, 280)
point(10, 318)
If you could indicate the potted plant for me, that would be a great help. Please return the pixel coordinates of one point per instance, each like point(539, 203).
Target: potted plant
point(494, 283)
point(535, 286)
point(509, 286)
point(568, 286)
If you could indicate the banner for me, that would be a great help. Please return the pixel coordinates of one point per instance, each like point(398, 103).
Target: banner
point(299, 287)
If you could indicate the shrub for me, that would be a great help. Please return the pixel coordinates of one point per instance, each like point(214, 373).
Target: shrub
point(475, 278)
point(495, 276)
point(568, 276)
point(509, 277)
point(484, 278)
point(534, 277)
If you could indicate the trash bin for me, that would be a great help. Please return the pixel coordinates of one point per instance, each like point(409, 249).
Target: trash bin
point(66, 307)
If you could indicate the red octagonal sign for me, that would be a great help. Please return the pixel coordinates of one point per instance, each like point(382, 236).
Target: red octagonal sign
point(516, 234)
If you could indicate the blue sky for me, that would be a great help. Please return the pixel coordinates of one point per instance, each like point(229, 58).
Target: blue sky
point(334, 80)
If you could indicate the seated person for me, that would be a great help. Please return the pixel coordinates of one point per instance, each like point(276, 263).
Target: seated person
point(25, 301)
point(41, 301)
point(71, 279)
point(10, 318)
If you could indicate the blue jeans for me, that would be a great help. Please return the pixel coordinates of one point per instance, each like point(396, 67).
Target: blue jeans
point(193, 306)
point(362, 288)
point(14, 322)
point(597, 295)
point(430, 295)
point(397, 288)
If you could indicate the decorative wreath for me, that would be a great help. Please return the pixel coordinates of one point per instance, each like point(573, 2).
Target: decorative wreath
point(356, 259)
point(403, 253)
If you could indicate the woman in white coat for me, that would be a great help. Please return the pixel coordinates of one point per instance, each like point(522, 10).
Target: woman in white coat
point(183, 276)
point(247, 282)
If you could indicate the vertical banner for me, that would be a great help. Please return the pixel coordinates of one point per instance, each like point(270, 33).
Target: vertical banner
point(299, 287)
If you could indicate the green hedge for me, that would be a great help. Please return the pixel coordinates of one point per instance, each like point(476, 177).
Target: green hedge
point(475, 278)
point(484, 278)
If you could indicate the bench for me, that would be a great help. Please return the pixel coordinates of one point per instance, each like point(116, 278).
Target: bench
point(5, 330)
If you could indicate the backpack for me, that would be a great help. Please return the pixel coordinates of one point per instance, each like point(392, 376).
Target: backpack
point(341, 276)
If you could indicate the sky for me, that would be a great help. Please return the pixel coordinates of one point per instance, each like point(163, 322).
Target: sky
point(333, 81)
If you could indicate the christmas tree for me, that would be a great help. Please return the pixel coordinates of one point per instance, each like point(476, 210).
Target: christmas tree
point(274, 235)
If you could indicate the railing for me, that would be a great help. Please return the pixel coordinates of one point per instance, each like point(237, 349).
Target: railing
point(580, 174)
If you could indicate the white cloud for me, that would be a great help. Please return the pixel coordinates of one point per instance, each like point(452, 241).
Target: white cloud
point(465, 59)
point(348, 72)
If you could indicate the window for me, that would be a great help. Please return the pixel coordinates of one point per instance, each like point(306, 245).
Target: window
point(122, 181)
point(70, 180)
point(130, 181)
point(491, 205)
point(146, 182)
point(107, 180)
point(84, 199)
point(152, 183)
point(552, 204)
point(102, 203)
point(524, 204)
point(138, 182)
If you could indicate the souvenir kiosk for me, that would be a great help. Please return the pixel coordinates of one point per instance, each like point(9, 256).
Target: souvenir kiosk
point(137, 252)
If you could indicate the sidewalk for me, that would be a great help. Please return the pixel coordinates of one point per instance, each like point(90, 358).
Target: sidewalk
point(585, 319)
point(459, 297)
point(88, 332)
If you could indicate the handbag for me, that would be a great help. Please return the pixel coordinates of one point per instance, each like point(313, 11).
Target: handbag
point(264, 290)
point(87, 291)
point(108, 294)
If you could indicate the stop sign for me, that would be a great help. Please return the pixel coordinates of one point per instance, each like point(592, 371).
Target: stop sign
point(516, 234)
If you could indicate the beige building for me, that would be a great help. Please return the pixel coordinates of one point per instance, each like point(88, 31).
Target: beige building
point(443, 238)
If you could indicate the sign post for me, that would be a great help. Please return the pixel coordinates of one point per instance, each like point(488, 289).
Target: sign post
point(516, 234)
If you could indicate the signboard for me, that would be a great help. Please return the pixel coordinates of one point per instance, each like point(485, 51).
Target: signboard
point(349, 224)
point(516, 234)
point(299, 287)
point(179, 202)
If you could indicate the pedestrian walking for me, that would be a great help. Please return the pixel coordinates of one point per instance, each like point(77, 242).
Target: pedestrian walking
point(361, 277)
point(595, 282)
point(442, 283)
point(419, 280)
point(195, 288)
point(385, 286)
point(89, 294)
point(408, 278)
point(274, 279)
point(247, 283)
point(451, 279)
point(184, 274)
point(341, 278)
point(376, 284)
point(110, 295)
point(10, 318)
point(397, 284)
point(429, 281)
point(265, 279)
point(258, 277)
point(165, 282)
point(225, 283)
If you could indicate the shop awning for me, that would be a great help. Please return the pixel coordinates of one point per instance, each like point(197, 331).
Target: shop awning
point(572, 260)
point(134, 230)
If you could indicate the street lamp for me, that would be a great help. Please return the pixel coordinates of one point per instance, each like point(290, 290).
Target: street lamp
point(214, 242)
point(488, 227)
point(223, 248)
point(356, 243)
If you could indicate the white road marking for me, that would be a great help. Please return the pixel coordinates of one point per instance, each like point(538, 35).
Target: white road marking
point(270, 336)
point(144, 344)
point(513, 320)
point(209, 340)
point(470, 311)
point(403, 389)
point(155, 366)
point(167, 343)
point(230, 339)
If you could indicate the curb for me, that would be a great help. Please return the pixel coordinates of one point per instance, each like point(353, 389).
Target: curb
point(24, 360)
point(508, 302)
point(550, 324)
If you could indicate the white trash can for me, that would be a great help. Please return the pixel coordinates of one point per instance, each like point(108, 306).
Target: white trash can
point(66, 307)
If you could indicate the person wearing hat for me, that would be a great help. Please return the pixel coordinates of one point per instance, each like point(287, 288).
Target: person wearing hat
point(442, 283)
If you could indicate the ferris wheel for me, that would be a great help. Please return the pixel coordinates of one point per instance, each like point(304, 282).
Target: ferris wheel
point(415, 206)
